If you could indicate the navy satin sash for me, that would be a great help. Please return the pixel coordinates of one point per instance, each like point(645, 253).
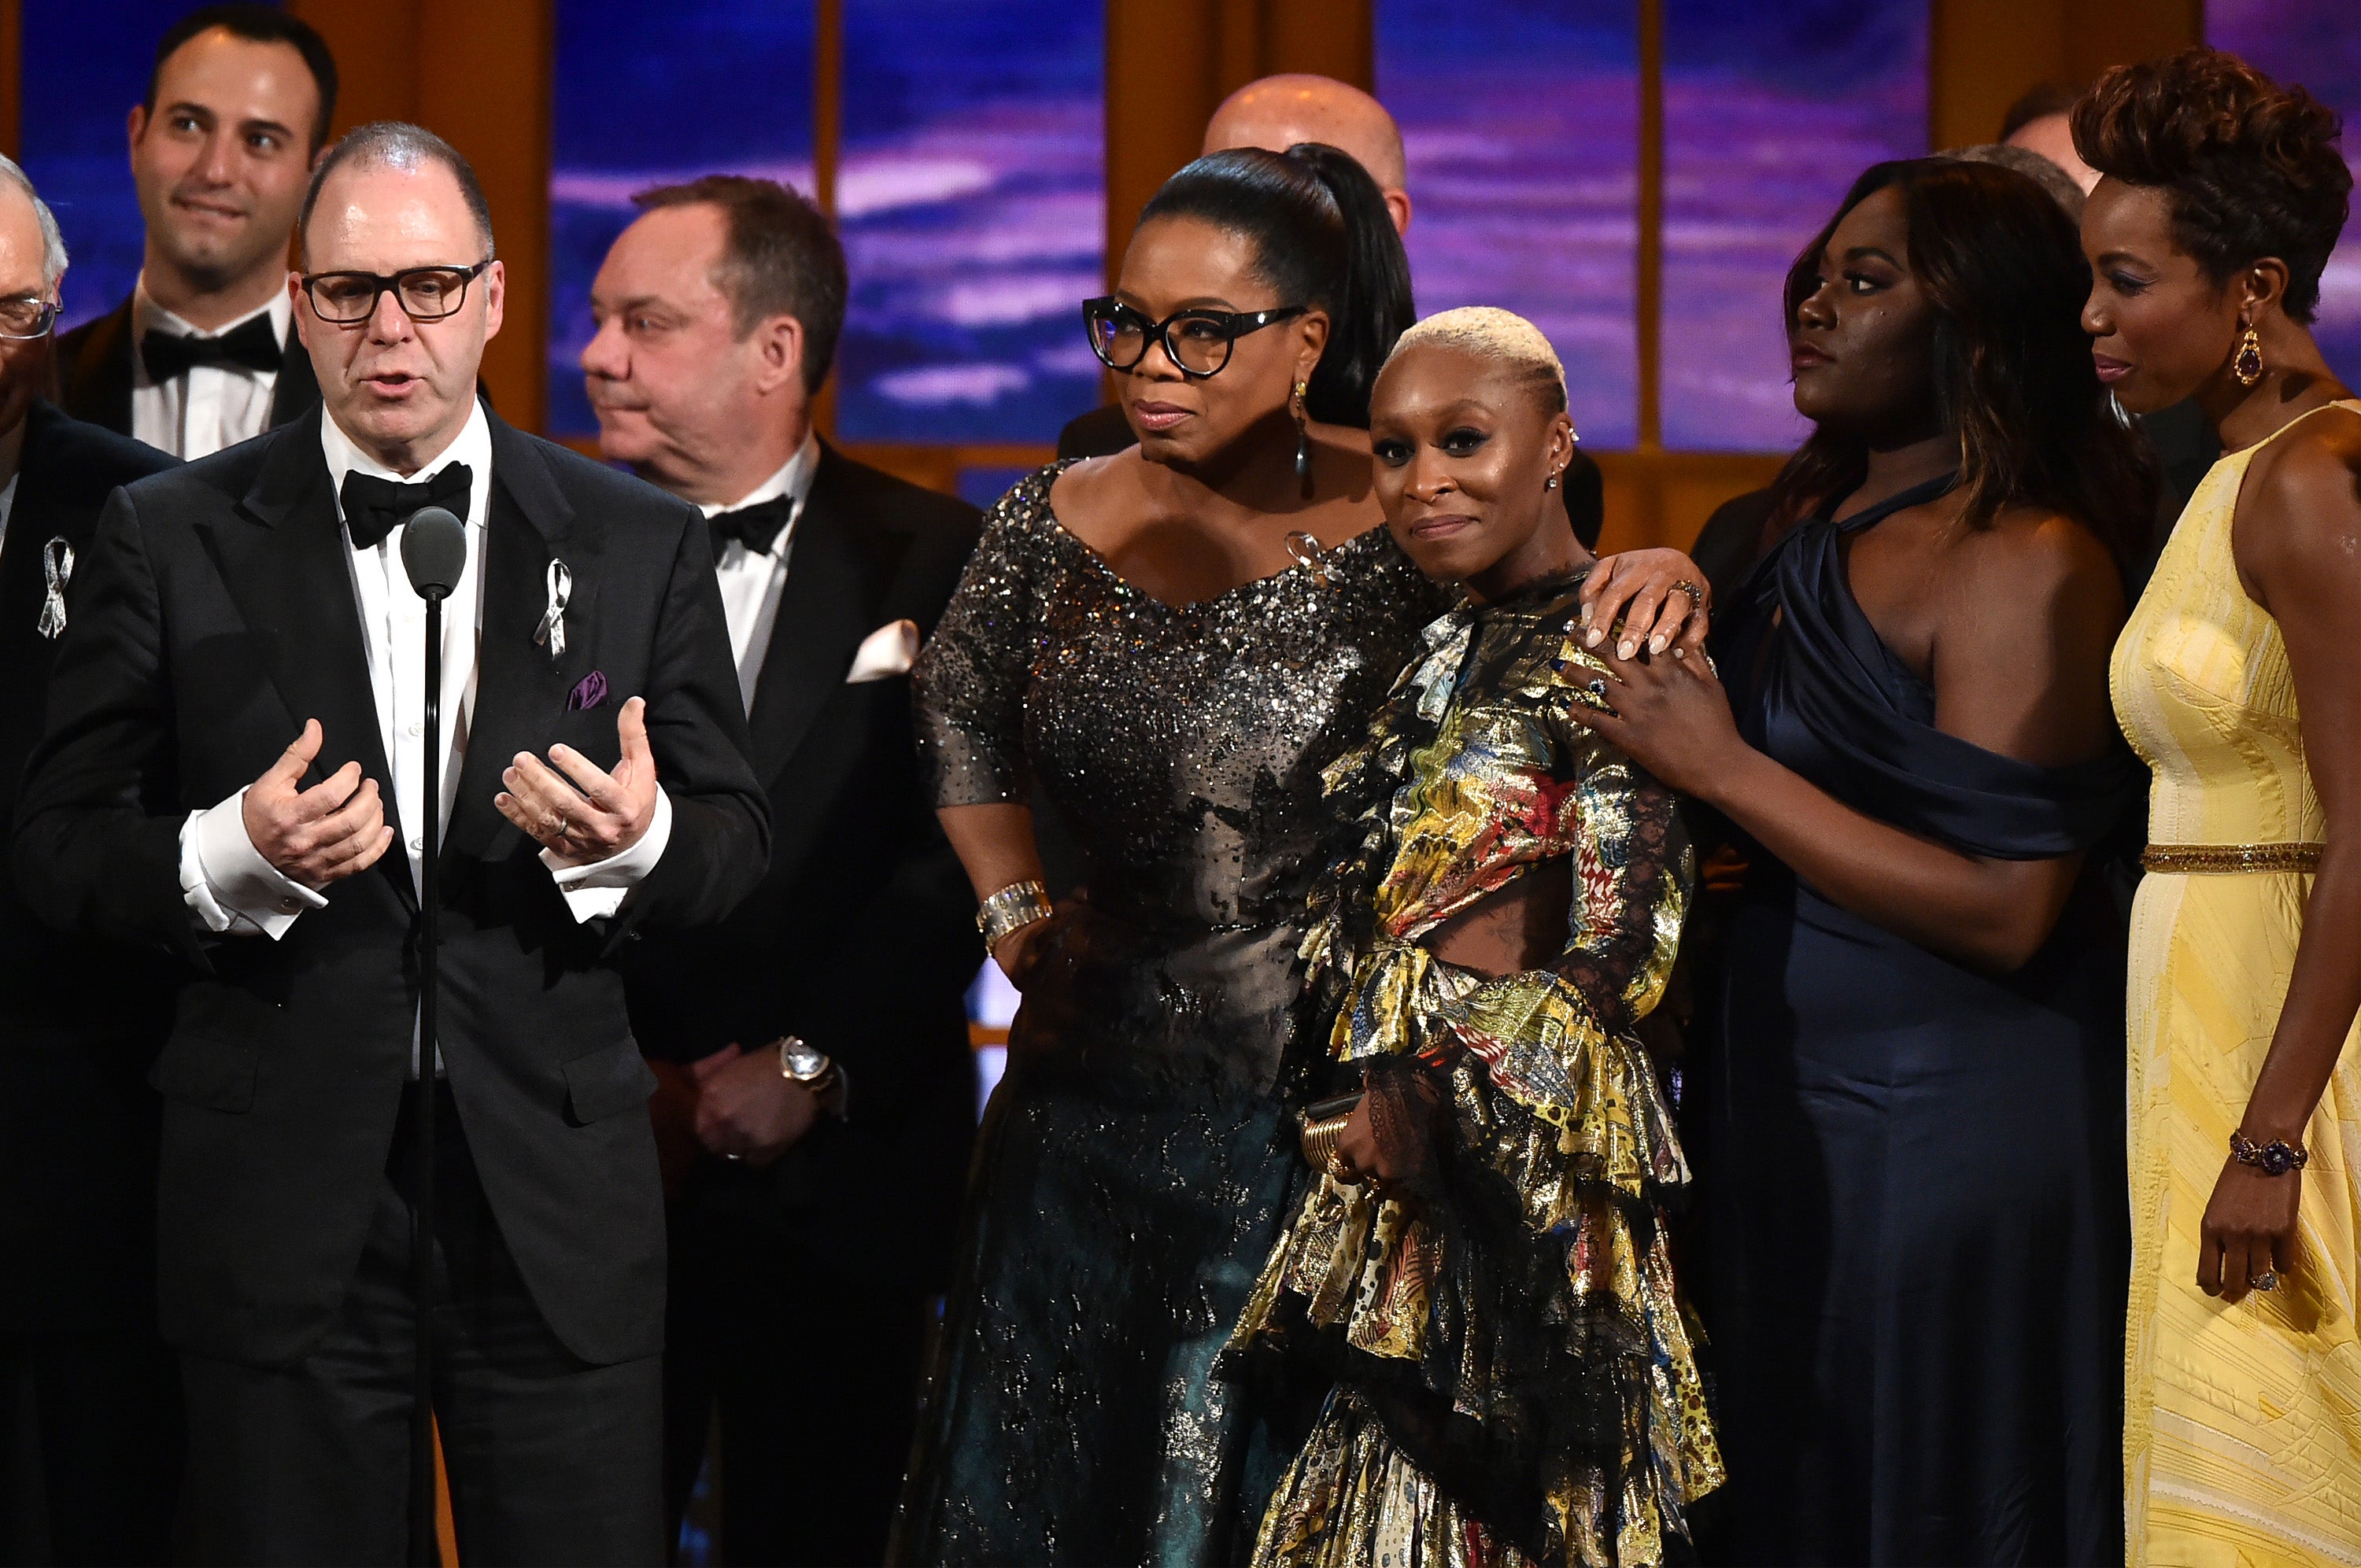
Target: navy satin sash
point(1819, 691)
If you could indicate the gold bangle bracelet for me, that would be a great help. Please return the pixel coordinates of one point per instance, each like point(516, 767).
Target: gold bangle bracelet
point(1320, 1140)
point(2203, 858)
point(1013, 908)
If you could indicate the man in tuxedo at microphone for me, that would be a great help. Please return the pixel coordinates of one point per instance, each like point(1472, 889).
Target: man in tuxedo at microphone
point(818, 1095)
point(203, 354)
point(234, 772)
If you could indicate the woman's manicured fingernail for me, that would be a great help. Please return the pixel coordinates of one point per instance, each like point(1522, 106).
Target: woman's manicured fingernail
point(1656, 644)
point(1597, 634)
point(1625, 650)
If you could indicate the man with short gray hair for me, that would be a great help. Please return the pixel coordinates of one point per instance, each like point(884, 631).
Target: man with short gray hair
point(80, 1020)
point(235, 772)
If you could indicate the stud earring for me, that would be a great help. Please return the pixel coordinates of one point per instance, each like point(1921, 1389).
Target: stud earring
point(2248, 363)
point(1550, 483)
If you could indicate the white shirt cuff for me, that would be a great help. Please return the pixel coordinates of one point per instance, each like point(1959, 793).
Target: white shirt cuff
point(225, 879)
point(597, 889)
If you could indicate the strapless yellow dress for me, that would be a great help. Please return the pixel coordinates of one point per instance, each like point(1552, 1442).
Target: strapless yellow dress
point(2242, 1432)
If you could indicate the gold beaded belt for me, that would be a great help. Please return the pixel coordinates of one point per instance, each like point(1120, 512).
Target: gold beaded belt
point(2232, 857)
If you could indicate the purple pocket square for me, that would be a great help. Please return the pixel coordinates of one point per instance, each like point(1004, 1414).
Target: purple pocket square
point(591, 692)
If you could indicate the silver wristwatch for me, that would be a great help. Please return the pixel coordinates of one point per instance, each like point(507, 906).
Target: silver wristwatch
point(809, 1065)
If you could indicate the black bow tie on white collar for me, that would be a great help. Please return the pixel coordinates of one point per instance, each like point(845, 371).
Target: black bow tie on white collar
point(755, 527)
point(253, 347)
point(374, 507)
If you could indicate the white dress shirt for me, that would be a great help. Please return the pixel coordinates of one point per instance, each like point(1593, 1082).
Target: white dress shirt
point(225, 879)
point(210, 407)
point(752, 583)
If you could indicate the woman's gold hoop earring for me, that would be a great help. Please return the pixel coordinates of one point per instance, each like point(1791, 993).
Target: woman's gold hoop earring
point(1302, 439)
point(2248, 363)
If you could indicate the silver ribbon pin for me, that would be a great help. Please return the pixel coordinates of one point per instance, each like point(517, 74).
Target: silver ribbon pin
point(57, 571)
point(551, 630)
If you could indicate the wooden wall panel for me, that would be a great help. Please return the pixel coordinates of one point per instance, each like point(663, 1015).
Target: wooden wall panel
point(479, 76)
point(1169, 63)
point(484, 83)
point(12, 77)
point(1987, 52)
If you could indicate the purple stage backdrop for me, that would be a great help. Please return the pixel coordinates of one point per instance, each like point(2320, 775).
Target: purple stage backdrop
point(79, 84)
point(1769, 112)
point(1520, 119)
point(2317, 43)
point(970, 194)
point(650, 95)
point(972, 202)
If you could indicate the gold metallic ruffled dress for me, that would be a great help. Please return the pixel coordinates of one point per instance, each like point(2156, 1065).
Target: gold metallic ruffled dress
point(1514, 1376)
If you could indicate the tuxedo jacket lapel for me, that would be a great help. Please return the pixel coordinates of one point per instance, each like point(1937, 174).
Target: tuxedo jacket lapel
point(283, 558)
point(25, 653)
point(100, 387)
point(23, 586)
point(297, 391)
point(520, 689)
point(837, 569)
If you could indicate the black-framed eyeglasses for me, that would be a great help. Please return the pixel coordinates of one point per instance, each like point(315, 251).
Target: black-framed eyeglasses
point(424, 293)
point(1197, 341)
point(27, 317)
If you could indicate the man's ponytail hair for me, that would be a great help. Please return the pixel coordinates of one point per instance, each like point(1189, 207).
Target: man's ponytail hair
point(1323, 236)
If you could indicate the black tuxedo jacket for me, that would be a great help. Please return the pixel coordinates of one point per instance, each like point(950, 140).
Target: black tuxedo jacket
point(217, 615)
point(94, 374)
point(861, 937)
point(80, 1021)
point(1104, 431)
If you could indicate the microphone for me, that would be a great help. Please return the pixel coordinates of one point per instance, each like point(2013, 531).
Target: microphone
point(433, 551)
point(435, 554)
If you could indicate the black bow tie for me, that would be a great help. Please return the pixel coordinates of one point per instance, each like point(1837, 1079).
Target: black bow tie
point(254, 346)
point(374, 507)
point(754, 527)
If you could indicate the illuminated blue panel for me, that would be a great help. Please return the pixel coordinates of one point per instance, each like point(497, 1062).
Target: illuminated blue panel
point(655, 94)
point(1520, 122)
point(84, 69)
point(972, 202)
point(2317, 43)
point(1769, 112)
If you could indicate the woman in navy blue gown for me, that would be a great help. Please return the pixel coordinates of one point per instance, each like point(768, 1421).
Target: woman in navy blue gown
point(1915, 1229)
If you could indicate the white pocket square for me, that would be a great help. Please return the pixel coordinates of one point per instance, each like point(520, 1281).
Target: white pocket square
point(888, 651)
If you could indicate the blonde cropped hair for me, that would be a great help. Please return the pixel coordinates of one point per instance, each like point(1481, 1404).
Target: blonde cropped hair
point(1494, 333)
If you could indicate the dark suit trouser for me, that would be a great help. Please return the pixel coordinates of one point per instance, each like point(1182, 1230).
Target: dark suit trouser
point(551, 1459)
point(104, 1441)
point(813, 1370)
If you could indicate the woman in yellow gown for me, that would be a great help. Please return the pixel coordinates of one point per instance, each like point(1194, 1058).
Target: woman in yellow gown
point(2237, 681)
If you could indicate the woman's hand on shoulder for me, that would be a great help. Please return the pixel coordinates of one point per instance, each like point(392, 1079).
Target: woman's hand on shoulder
point(1659, 595)
point(1668, 713)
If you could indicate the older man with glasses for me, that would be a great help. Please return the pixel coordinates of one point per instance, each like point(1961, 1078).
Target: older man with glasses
point(80, 1020)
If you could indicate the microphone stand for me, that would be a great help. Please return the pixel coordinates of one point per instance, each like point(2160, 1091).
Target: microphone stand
point(426, 1547)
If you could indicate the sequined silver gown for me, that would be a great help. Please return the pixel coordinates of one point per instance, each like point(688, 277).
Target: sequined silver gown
point(1133, 1164)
